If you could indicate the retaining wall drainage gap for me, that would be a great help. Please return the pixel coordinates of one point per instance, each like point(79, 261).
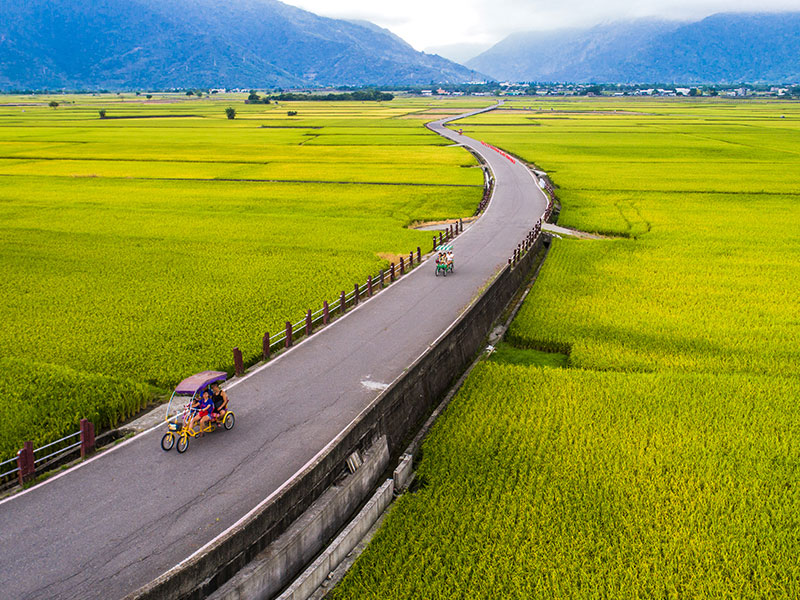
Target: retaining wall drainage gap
point(318, 572)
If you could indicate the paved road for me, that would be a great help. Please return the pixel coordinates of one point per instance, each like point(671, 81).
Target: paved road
point(117, 522)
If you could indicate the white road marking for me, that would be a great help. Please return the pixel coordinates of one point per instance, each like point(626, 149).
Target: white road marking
point(375, 386)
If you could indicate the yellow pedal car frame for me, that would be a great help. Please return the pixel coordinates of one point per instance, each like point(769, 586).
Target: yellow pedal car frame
point(178, 433)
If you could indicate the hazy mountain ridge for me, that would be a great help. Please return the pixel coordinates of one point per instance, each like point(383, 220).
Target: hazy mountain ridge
point(722, 48)
point(118, 44)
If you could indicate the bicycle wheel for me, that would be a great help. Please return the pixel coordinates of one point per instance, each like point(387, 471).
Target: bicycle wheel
point(228, 421)
point(183, 444)
point(168, 441)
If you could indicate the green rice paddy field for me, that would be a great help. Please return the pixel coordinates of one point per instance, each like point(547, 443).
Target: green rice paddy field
point(140, 248)
point(658, 453)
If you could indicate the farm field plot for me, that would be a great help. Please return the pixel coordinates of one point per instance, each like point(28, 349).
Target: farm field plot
point(660, 459)
point(138, 250)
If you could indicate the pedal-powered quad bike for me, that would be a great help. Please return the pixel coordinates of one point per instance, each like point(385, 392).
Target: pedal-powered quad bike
point(444, 259)
point(179, 425)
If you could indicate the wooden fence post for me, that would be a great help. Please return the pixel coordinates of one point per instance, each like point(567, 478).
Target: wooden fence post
point(382, 278)
point(87, 437)
point(419, 255)
point(26, 463)
point(402, 266)
point(355, 294)
point(369, 286)
point(391, 272)
point(326, 313)
point(410, 260)
point(308, 323)
point(265, 346)
point(342, 302)
point(288, 334)
point(238, 363)
point(434, 242)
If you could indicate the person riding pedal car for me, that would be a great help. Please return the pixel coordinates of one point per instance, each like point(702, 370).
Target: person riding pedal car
point(220, 400)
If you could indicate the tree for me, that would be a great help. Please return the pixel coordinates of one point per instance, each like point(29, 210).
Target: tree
point(53, 104)
point(103, 113)
point(149, 96)
point(230, 113)
point(695, 92)
point(292, 113)
point(253, 97)
point(594, 90)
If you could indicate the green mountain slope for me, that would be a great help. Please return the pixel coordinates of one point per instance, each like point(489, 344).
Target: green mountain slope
point(119, 44)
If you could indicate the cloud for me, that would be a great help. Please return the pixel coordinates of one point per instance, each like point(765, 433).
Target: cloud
point(426, 23)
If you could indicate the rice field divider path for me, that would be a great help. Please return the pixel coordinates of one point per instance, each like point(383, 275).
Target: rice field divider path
point(115, 522)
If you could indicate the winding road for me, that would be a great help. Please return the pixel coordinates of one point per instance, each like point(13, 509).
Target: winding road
point(116, 522)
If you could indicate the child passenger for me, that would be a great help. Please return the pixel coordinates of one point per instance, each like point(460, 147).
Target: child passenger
point(203, 406)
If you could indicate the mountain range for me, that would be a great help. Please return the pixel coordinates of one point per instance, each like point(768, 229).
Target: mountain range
point(722, 48)
point(162, 44)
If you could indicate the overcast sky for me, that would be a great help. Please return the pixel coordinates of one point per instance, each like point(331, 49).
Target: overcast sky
point(489, 21)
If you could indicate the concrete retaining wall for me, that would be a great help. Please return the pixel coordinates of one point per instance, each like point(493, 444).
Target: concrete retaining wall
point(318, 572)
point(292, 551)
point(396, 414)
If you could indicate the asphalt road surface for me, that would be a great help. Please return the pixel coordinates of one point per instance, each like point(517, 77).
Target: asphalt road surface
point(118, 521)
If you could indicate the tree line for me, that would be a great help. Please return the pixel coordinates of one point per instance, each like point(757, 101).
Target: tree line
point(358, 95)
